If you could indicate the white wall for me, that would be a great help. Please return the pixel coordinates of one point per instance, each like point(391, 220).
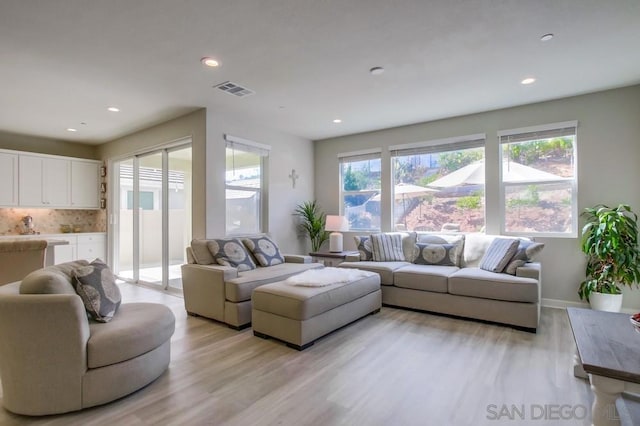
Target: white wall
point(287, 152)
point(608, 167)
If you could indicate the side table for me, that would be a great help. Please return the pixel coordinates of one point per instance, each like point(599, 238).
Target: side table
point(332, 258)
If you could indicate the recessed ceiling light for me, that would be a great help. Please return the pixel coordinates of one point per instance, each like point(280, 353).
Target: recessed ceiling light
point(376, 70)
point(337, 120)
point(546, 37)
point(528, 80)
point(113, 109)
point(210, 62)
point(71, 129)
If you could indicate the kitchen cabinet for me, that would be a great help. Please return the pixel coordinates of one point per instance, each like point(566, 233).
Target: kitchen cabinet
point(85, 181)
point(8, 179)
point(87, 246)
point(44, 181)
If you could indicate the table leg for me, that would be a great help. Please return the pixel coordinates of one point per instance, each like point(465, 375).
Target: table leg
point(605, 393)
point(578, 371)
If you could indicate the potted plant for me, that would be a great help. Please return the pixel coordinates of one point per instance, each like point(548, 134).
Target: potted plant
point(610, 241)
point(313, 223)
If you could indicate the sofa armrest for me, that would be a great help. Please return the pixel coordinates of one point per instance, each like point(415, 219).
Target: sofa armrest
point(203, 289)
point(297, 258)
point(530, 270)
point(43, 355)
point(352, 258)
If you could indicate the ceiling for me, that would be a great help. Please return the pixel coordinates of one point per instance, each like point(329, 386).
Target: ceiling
point(62, 63)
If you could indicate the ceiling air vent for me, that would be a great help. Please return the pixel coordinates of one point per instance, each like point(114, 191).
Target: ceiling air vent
point(234, 89)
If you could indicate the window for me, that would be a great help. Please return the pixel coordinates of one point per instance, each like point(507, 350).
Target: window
point(360, 189)
point(439, 185)
point(245, 185)
point(538, 176)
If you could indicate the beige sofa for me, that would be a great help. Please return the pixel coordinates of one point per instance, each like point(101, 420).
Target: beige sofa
point(465, 290)
point(223, 293)
point(54, 360)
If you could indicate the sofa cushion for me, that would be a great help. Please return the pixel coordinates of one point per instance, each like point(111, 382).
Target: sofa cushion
point(498, 255)
point(527, 251)
point(137, 329)
point(437, 254)
point(457, 239)
point(384, 269)
point(302, 303)
point(239, 289)
point(424, 277)
point(476, 244)
point(96, 286)
point(476, 282)
point(264, 250)
point(387, 247)
point(52, 279)
point(201, 252)
point(363, 245)
point(231, 252)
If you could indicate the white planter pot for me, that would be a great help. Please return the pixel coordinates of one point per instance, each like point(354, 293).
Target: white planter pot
point(605, 302)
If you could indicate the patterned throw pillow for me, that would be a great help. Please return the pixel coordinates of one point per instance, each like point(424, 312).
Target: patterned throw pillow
point(96, 286)
point(231, 252)
point(527, 250)
point(387, 248)
point(437, 254)
point(363, 244)
point(265, 250)
point(498, 254)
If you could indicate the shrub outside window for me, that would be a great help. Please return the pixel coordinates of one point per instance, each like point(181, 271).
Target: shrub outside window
point(538, 177)
point(360, 190)
point(244, 186)
point(439, 185)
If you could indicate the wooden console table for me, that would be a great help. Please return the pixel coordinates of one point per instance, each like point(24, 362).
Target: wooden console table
point(608, 348)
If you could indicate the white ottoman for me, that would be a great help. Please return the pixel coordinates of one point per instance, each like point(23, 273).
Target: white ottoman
point(299, 315)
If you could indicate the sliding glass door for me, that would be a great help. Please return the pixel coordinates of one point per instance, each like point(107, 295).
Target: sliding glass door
point(152, 216)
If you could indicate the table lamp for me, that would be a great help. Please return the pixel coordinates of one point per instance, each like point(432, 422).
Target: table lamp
point(335, 225)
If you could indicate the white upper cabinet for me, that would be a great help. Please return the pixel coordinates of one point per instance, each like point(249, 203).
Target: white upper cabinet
point(30, 181)
point(85, 181)
point(8, 179)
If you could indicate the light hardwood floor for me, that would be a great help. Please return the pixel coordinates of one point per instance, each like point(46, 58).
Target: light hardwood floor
point(397, 367)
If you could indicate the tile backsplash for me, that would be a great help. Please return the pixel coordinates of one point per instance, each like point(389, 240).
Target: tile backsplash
point(49, 221)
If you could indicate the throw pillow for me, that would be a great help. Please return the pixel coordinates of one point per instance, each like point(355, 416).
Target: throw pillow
point(527, 250)
point(387, 248)
point(201, 253)
point(231, 252)
point(498, 254)
point(96, 286)
point(363, 244)
point(436, 254)
point(458, 240)
point(264, 249)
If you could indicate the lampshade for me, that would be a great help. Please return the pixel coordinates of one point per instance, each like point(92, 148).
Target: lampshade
point(336, 223)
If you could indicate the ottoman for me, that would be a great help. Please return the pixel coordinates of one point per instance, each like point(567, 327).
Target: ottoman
point(298, 315)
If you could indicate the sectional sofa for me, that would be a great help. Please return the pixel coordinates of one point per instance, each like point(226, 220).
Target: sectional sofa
point(462, 290)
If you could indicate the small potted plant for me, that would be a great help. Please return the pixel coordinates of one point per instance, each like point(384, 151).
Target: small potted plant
point(610, 241)
point(312, 222)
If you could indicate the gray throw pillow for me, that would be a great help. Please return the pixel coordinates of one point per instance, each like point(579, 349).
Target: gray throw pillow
point(231, 252)
point(363, 244)
point(498, 254)
point(265, 250)
point(436, 254)
point(96, 286)
point(387, 248)
point(527, 250)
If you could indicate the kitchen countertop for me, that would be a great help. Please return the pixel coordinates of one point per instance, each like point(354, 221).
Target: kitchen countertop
point(48, 237)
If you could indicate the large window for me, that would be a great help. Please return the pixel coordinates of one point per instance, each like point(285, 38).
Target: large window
point(360, 189)
point(439, 185)
point(538, 175)
point(244, 185)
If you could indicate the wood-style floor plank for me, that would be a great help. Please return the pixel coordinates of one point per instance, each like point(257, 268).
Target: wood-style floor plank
point(397, 367)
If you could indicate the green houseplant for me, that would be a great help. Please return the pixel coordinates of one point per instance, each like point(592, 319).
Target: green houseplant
point(312, 222)
point(610, 241)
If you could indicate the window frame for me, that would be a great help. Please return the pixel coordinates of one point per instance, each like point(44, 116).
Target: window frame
point(545, 131)
point(263, 151)
point(351, 157)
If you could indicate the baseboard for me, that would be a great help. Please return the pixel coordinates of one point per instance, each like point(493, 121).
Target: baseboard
point(564, 304)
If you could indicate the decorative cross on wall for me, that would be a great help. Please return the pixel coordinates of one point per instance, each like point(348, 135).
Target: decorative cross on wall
point(293, 176)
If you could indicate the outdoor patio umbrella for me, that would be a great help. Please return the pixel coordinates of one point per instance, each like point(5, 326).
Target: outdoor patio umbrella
point(402, 191)
point(473, 174)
